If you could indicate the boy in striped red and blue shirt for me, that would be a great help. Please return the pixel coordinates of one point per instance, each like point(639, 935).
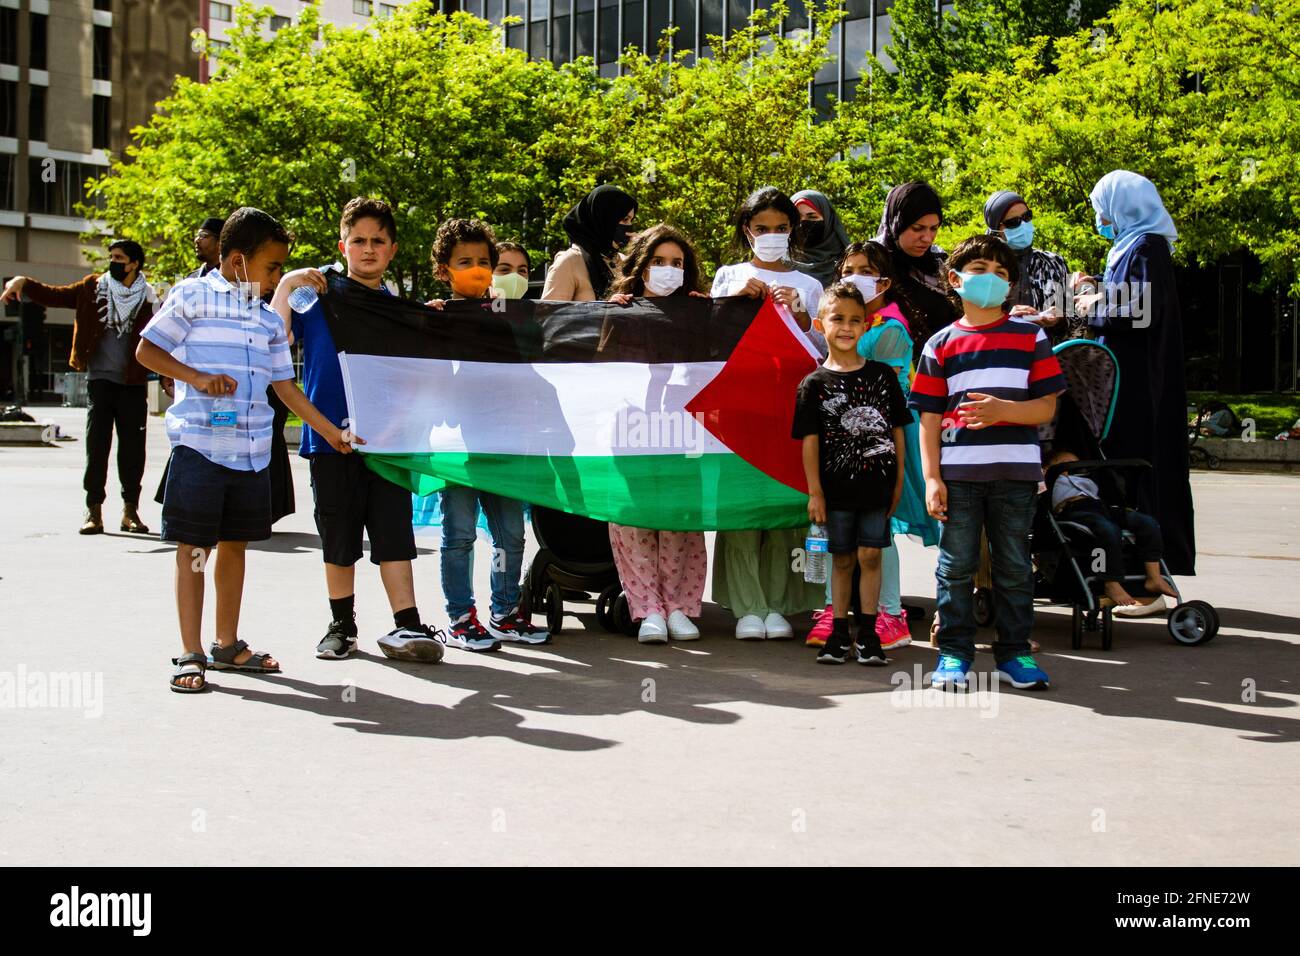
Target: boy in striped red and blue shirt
point(982, 387)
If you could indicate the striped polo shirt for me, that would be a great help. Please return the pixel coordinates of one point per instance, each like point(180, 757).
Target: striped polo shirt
point(211, 326)
point(1006, 359)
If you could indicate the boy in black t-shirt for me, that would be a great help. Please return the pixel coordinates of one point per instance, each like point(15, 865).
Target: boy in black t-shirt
point(850, 414)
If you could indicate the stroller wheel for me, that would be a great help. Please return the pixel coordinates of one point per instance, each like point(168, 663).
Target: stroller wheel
point(1107, 628)
point(622, 615)
point(605, 607)
point(984, 613)
point(554, 608)
point(1192, 623)
point(1076, 628)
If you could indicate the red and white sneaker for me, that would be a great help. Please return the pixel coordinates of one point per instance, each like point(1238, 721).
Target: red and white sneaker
point(514, 628)
point(468, 634)
point(822, 629)
point(892, 630)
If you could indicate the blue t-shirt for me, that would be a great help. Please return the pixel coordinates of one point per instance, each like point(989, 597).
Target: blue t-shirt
point(322, 379)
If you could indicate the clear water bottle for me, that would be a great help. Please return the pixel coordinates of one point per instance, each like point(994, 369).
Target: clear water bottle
point(302, 298)
point(815, 548)
point(225, 430)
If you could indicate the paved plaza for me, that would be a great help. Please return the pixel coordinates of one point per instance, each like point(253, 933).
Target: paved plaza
point(596, 750)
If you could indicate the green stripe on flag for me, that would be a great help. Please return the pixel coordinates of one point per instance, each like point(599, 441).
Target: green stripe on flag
point(667, 492)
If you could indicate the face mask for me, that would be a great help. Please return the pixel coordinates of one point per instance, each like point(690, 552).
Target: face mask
point(1106, 231)
point(664, 280)
point(812, 231)
point(511, 285)
point(983, 289)
point(472, 283)
point(117, 270)
point(622, 232)
point(1021, 236)
point(246, 289)
point(869, 286)
point(771, 246)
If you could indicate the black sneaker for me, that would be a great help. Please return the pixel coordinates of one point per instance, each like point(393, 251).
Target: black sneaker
point(514, 628)
point(468, 634)
point(420, 643)
point(836, 648)
point(339, 641)
point(867, 650)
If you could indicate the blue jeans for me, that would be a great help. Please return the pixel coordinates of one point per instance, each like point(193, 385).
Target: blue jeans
point(1005, 510)
point(505, 518)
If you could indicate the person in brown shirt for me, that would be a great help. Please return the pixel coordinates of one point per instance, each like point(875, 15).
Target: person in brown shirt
point(112, 308)
point(598, 225)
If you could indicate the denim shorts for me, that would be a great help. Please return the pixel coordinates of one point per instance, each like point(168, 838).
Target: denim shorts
point(204, 502)
point(847, 531)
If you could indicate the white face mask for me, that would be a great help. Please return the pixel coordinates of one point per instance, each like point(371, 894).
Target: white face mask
point(771, 246)
point(867, 285)
point(664, 280)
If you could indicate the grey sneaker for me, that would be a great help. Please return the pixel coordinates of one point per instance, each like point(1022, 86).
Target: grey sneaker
point(339, 641)
point(422, 643)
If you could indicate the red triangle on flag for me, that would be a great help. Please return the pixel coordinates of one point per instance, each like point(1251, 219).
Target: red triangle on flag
point(749, 404)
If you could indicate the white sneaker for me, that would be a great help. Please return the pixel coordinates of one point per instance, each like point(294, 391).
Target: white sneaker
point(1141, 610)
point(680, 627)
point(777, 627)
point(653, 630)
point(750, 628)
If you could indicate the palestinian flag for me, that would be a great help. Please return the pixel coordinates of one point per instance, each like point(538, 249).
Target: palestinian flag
point(670, 413)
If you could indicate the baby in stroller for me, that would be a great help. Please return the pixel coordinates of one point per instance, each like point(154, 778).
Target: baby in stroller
point(1079, 499)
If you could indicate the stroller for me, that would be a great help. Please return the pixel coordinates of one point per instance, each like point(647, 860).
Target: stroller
point(1062, 550)
point(574, 561)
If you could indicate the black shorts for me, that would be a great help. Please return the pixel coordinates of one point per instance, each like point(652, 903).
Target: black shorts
point(846, 531)
point(351, 498)
point(204, 502)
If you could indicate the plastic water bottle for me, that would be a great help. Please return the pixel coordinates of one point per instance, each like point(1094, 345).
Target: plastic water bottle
point(302, 298)
point(225, 430)
point(815, 548)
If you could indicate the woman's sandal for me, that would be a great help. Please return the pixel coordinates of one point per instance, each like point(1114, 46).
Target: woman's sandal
point(190, 665)
point(223, 659)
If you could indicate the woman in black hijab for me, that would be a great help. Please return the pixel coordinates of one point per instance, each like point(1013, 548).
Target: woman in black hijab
point(599, 224)
point(912, 216)
point(1040, 294)
point(821, 236)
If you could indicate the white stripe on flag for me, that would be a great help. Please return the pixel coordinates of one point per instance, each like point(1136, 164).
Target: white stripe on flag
point(420, 406)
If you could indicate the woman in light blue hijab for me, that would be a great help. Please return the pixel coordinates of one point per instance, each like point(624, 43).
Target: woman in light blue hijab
point(1138, 318)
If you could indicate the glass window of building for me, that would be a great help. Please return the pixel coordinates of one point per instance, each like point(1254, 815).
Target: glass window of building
point(220, 11)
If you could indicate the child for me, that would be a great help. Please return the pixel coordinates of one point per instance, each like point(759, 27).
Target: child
point(510, 277)
point(218, 490)
point(464, 255)
point(662, 571)
point(869, 266)
point(349, 497)
point(1078, 499)
point(850, 414)
point(751, 569)
point(987, 475)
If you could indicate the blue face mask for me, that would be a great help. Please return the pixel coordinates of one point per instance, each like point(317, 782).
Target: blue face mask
point(1106, 231)
point(1021, 237)
point(983, 289)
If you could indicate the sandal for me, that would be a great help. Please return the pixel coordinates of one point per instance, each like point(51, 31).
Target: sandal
point(189, 665)
point(223, 659)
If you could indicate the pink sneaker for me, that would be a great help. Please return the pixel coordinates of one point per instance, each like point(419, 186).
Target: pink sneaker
point(822, 629)
point(892, 630)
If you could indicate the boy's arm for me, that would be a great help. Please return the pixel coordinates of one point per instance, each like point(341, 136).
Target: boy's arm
point(290, 281)
point(980, 410)
point(812, 472)
point(936, 492)
point(297, 403)
point(158, 360)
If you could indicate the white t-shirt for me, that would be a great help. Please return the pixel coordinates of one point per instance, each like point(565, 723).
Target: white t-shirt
point(731, 279)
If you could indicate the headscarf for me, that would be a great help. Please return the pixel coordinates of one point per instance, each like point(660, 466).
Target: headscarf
point(119, 303)
point(1133, 204)
point(996, 206)
point(905, 204)
point(823, 256)
point(591, 227)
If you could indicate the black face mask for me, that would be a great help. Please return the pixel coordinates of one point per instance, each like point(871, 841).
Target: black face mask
point(117, 270)
point(622, 232)
point(811, 231)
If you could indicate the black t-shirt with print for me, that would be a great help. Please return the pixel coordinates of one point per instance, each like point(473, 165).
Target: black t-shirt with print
point(854, 415)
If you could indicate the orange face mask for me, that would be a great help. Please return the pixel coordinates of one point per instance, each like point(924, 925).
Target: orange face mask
point(472, 283)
